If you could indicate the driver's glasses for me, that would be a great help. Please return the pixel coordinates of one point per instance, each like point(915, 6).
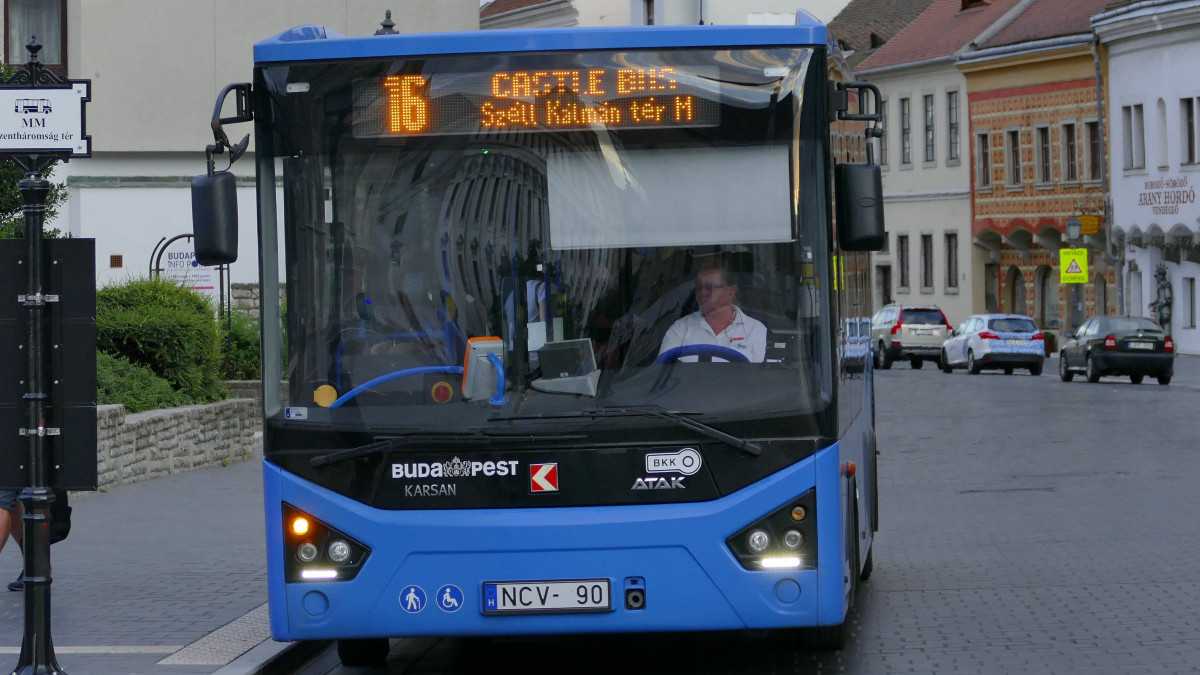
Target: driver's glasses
point(709, 288)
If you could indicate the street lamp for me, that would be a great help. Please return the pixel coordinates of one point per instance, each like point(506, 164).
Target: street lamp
point(1074, 229)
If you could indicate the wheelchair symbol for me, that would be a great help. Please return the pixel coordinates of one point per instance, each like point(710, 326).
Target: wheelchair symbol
point(450, 598)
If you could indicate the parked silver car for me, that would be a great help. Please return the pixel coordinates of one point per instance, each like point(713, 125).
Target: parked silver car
point(997, 342)
point(912, 333)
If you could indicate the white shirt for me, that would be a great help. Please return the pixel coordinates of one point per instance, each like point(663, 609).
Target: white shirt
point(745, 335)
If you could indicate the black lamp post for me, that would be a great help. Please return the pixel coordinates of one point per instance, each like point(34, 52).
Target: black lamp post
point(1074, 229)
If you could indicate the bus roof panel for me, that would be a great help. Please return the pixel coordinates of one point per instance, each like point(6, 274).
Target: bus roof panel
point(312, 43)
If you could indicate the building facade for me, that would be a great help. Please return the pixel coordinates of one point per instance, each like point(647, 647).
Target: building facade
point(1155, 164)
point(1037, 162)
point(552, 13)
point(156, 68)
point(925, 154)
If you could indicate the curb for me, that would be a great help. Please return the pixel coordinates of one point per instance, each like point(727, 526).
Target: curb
point(274, 658)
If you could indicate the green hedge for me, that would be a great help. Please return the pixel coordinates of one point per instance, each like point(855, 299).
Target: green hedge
point(241, 348)
point(132, 385)
point(170, 330)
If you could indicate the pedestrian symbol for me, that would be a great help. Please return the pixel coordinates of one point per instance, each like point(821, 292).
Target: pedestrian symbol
point(450, 598)
point(1072, 265)
point(412, 599)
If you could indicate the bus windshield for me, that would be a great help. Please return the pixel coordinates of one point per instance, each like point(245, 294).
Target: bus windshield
point(488, 242)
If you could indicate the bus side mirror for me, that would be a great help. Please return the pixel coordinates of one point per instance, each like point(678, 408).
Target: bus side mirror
point(215, 218)
point(859, 190)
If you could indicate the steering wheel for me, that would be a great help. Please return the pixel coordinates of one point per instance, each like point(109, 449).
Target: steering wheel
point(674, 353)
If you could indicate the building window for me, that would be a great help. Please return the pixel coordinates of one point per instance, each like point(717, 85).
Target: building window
point(902, 259)
point(1189, 301)
point(43, 18)
point(1070, 154)
point(886, 238)
point(983, 162)
point(1014, 156)
point(1135, 137)
point(1095, 152)
point(649, 5)
point(905, 132)
point(883, 140)
point(1043, 155)
point(1187, 115)
point(929, 131)
point(952, 125)
point(951, 260)
point(927, 262)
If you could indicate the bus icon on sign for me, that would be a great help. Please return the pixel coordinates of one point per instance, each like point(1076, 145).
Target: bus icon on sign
point(32, 105)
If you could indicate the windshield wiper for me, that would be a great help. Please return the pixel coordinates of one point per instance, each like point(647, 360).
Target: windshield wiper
point(425, 438)
point(679, 418)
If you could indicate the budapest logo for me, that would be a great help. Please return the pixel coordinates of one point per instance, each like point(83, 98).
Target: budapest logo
point(543, 477)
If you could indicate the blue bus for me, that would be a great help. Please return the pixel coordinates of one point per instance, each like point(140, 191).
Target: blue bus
point(567, 330)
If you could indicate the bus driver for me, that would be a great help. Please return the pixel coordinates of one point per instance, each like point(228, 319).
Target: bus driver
point(717, 321)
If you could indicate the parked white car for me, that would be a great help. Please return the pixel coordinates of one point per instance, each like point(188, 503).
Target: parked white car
point(997, 342)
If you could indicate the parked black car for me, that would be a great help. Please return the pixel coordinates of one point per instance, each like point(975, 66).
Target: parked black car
point(1118, 345)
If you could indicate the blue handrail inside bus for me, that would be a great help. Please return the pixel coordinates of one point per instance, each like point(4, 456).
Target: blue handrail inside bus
point(419, 370)
point(701, 350)
point(498, 399)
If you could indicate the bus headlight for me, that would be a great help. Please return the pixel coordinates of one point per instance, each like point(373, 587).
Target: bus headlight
point(307, 552)
point(792, 539)
point(784, 539)
point(319, 552)
point(758, 541)
point(339, 551)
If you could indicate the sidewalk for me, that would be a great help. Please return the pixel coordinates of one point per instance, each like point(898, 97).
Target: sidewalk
point(166, 576)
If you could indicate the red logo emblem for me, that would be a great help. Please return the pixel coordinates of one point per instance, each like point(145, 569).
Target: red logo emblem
point(543, 477)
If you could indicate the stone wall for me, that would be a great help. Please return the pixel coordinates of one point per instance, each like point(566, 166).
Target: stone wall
point(245, 297)
point(147, 445)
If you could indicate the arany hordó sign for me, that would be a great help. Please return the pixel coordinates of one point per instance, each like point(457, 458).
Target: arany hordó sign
point(1164, 196)
point(45, 119)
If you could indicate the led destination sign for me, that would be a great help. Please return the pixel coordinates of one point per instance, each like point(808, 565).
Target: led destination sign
point(535, 100)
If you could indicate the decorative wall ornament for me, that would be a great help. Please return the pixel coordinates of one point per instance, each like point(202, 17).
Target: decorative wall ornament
point(1161, 305)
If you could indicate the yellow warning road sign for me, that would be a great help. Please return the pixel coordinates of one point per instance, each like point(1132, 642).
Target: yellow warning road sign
point(1073, 266)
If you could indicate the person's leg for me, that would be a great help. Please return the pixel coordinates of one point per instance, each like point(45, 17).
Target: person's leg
point(18, 525)
point(6, 526)
point(10, 517)
point(18, 535)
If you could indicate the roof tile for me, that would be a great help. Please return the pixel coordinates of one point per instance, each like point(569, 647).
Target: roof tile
point(1046, 19)
point(940, 31)
point(861, 19)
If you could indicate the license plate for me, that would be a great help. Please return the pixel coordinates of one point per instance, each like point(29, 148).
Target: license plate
point(1140, 345)
point(922, 331)
point(1015, 343)
point(546, 597)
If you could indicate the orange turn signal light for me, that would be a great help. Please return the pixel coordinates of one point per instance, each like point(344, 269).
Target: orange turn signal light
point(300, 526)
